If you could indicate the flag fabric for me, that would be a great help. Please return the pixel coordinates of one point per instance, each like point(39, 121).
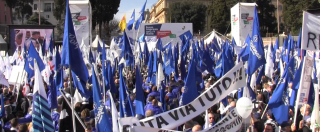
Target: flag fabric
point(58, 73)
point(100, 113)
point(91, 58)
point(245, 51)
point(132, 19)
point(112, 85)
point(114, 113)
point(279, 101)
point(256, 56)
point(29, 65)
point(218, 68)
point(2, 112)
point(43, 47)
point(41, 115)
point(50, 48)
point(295, 85)
point(126, 50)
point(71, 54)
point(104, 70)
point(190, 91)
point(140, 99)
point(99, 48)
point(52, 94)
point(123, 23)
point(141, 18)
point(3, 80)
point(260, 74)
point(269, 62)
point(125, 107)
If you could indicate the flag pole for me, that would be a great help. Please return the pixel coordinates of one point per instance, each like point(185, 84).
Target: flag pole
point(79, 119)
point(72, 102)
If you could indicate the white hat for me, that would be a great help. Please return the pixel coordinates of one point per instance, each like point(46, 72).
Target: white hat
point(270, 83)
point(134, 90)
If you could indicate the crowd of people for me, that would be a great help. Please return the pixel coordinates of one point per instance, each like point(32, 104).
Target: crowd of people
point(18, 105)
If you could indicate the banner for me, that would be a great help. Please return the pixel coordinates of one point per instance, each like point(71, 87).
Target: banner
point(241, 21)
point(232, 80)
point(304, 88)
point(310, 32)
point(230, 123)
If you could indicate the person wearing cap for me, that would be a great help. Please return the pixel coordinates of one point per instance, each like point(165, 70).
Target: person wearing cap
point(270, 119)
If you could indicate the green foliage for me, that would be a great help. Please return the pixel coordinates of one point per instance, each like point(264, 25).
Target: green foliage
point(188, 12)
point(34, 20)
point(293, 12)
point(22, 8)
point(59, 10)
point(220, 16)
point(103, 11)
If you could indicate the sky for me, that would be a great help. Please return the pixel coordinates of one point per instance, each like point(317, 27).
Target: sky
point(127, 7)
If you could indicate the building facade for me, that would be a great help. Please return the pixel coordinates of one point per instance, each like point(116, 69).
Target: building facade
point(5, 16)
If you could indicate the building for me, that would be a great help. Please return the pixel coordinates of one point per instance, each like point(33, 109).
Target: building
point(45, 8)
point(5, 16)
point(159, 11)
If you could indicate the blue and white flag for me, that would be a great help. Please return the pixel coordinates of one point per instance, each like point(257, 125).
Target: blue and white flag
point(279, 102)
point(256, 56)
point(41, 113)
point(71, 54)
point(29, 63)
point(141, 18)
point(132, 19)
point(100, 113)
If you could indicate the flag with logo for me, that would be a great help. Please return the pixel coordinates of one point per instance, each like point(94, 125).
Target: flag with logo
point(256, 56)
point(279, 101)
point(29, 63)
point(71, 54)
point(100, 113)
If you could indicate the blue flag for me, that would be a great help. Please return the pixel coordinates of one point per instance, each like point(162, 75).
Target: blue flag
point(125, 106)
point(104, 70)
point(146, 54)
point(139, 93)
point(261, 73)
point(190, 90)
point(154, 68)
point(52, 94)
point(91, 58)
point(186, 36)
point(58, 75)
point(50, 48)
point(29, 65)
point(71, 54)
point(183, 68)
point(102, 121)
point(2, 112)
point(218, 67)
point(99, 48)
point(126, 50)
point(207, 63)
point(111, 85)
point(279, 102)
point(245, 51)
point(159, 45)
point(162, 96)
point(256, 56)
point(132, 19)
point(81, 86)
point(141, 18)
point(43, 48)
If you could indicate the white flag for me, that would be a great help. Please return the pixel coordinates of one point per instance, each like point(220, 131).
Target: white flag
point(269, 65)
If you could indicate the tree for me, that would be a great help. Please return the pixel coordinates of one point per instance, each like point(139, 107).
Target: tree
point(34, 20)
point(267, 19)
point(103, 12)
point(22, 8)
point(220, 16)
point(293, 12)
point(188, 12)
point(109, 29)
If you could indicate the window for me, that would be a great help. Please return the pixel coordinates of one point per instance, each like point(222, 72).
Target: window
point(52, 6)
point(280, 7)
point(35, 7)
point(47, 16)
point(5, 19)
point(47, 7)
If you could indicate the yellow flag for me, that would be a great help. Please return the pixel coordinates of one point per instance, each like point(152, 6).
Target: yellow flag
point(123, 23)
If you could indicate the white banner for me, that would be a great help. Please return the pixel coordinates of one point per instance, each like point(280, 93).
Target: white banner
point(149, 129)
point(232, 80)
point(304, 88)
point(310, 32)
point(230, 123)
